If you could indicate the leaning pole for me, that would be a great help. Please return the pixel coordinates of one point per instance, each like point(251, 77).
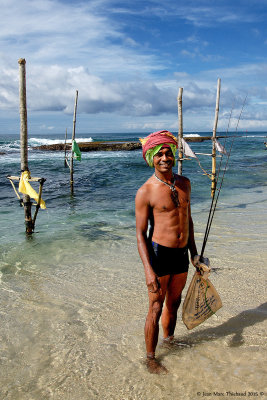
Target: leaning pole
point(72, 139)
point(24, 140)
point(180, 131)
point(213, 173)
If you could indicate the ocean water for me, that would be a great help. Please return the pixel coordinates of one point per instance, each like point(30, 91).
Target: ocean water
point(73, 299)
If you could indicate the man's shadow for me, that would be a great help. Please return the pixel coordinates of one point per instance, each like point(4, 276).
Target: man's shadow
point(234, 326)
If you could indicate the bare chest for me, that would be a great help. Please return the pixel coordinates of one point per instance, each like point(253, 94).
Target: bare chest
point(169, 201)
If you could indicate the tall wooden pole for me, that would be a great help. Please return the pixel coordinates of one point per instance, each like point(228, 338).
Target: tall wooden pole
point(213, 172)
point(73, 138)
point(65, 149)
point(180, 131)
point(24, 141)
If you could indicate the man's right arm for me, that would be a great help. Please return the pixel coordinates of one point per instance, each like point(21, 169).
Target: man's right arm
point(142, 209)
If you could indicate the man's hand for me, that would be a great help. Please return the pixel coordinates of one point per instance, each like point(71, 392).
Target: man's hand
point(197, 260)
point(202, 266)
point(152, 283)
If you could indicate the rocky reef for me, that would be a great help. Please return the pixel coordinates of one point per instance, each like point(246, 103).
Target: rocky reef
point(109, 146)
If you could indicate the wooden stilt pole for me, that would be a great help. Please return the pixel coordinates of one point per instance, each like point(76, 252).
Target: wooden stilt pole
point(41, 181)
point(65, 148)
point(213, 172)
point(73, 138)
point(24, 141)
point(180, 132)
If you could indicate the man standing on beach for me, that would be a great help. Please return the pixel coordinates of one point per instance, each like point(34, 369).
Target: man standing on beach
point(163, 202)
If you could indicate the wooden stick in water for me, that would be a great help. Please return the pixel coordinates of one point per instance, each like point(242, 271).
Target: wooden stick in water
point(42, 181)
point(65, 148)
point(24, 141)
point(180, 132)
point(15, 190)
point(213, 171)
point(73, 138)
point(17, 178)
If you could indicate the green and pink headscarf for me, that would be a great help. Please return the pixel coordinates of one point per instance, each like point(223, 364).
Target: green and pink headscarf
point(154, 142)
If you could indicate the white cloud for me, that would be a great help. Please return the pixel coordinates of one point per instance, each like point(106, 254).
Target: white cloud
point(53, 89)
point(85, 46)
point(50, 32)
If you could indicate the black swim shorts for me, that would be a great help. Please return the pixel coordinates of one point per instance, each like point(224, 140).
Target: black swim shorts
point(168, 260)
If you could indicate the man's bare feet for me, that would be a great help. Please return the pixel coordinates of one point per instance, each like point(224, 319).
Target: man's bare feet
point(155, 367)
point(168, 339)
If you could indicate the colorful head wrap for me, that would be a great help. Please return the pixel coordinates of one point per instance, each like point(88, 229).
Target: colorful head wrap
point(154, 142)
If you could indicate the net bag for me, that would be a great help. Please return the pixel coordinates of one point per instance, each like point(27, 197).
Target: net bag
point(202, 299)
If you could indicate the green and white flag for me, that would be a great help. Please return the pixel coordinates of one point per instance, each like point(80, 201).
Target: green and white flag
point(76, 151)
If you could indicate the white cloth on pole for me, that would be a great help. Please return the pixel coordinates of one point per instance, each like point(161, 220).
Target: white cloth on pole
point(188, 152)
point(219, 147)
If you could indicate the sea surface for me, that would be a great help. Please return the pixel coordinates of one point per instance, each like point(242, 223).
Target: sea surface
point(73, 299)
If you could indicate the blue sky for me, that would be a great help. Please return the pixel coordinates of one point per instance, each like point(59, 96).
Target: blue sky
point(128, 59)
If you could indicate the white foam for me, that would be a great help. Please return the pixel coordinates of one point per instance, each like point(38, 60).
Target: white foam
point(191, 135)
point(254, 136)
point(43, 141)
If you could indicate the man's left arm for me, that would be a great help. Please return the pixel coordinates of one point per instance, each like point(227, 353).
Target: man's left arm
point(191, 239)
point(195, 257)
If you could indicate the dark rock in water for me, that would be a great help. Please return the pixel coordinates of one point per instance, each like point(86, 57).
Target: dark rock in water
point(109, 146)
point(94, 146)
point(198, 138)
point(2, 153)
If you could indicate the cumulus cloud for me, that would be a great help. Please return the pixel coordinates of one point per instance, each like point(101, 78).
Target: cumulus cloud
point(88, 46)
point(51, 32)
point(53, 89)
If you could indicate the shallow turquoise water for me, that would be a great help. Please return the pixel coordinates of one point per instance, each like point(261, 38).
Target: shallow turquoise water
point(106, 183)
point(73, 299)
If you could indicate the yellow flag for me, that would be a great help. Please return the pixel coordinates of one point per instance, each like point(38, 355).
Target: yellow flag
point(25, 187)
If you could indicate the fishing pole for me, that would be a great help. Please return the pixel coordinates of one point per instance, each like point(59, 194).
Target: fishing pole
point(216, 181)
point(213, 205)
